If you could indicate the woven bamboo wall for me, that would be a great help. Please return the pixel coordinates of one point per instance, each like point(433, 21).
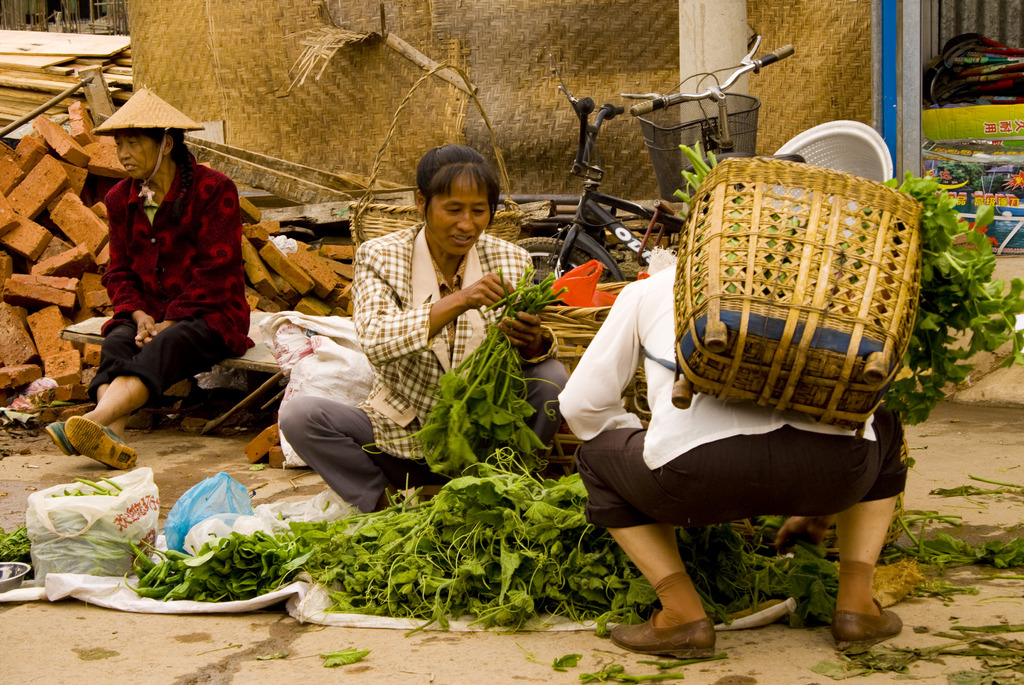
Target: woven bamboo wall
point(828, 78)
point(239, 57)
point(221, 60)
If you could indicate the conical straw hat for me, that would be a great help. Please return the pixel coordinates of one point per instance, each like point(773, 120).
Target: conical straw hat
point(145, 109)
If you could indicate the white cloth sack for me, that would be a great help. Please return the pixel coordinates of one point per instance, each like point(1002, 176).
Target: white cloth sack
point(91, 533)
point(322, 357)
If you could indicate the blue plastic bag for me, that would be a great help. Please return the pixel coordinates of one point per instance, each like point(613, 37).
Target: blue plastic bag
point(220, 494)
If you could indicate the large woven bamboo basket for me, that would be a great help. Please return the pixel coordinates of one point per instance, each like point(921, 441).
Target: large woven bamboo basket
point(796, 287)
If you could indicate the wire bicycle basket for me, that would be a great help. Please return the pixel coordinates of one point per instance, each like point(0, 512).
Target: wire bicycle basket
point(692, 123)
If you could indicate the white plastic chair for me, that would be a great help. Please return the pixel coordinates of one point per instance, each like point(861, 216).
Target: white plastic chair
point(848, 146)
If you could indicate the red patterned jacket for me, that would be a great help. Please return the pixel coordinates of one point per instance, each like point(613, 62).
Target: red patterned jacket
point(186, 269)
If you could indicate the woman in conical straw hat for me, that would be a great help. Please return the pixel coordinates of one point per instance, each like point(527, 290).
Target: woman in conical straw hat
point(175, 277)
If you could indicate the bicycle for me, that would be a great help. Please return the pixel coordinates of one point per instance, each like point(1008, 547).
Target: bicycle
point(585, 237)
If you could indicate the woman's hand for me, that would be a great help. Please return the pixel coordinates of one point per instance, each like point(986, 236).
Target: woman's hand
point(524, 332)
point(812, 528)
point(147, 328)
point(485, 292)
point(478, 295)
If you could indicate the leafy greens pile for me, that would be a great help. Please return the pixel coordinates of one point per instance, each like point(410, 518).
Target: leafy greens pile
point(15, 546)
point(958, 298)
point(482, 403)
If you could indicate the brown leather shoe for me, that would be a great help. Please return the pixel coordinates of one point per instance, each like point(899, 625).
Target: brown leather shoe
point(691, 640)
point(850, 629)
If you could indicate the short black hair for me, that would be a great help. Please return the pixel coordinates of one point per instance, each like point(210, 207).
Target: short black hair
point(441, 166)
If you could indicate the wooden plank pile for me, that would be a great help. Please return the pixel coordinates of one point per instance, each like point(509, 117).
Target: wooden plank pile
point(53, 249)
point(37, 66)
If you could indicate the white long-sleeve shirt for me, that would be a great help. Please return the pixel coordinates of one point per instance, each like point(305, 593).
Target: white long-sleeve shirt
point(641, 325)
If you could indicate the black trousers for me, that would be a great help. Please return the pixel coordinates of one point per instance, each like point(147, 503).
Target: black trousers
point(180, 351)
point(785, 472)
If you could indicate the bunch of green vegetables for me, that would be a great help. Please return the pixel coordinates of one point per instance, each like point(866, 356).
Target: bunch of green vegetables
point(482, 403)
point(15, 546)
point(505, 547)
point(959, 302)
point(230, 568)
point(501, 547)
point(93, 489)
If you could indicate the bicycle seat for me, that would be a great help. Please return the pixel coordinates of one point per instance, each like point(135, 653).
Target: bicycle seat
point(848, 146)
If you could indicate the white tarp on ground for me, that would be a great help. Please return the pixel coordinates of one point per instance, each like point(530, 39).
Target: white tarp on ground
point(304, 601)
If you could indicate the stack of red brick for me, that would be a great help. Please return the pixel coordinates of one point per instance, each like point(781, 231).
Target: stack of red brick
point(53, 247)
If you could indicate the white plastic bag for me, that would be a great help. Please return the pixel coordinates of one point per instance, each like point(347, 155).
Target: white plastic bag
point(91, 533)
point(272, 518)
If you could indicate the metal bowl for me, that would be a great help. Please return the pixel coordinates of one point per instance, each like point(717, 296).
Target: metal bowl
point(11, 575)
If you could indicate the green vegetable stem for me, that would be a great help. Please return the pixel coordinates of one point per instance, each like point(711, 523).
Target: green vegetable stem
point(482, 402)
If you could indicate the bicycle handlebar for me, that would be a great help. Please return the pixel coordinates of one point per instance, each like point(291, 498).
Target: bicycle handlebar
point(716, 92)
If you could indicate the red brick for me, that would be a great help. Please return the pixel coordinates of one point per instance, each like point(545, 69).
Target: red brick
point(42, 184)
point(80, 224)
point(22, 374)
point(8, 219)
point(260, 233)
point(344, 253)
point(100, 210)
point(259, 446)
point(76, 177)
point(21, 291)
point(103, 159)
point(81, 124)
point(89, 282)
point(46, 325)
point(64, 368)
point(58, 282)
point(16, 346)
point(73, 392)
point(6, 267)
point(69, 264)
point(275, 457)
point(11, 174)
point(295, 275)
point(97, 299)
point(91, 354)
point(61, 141)
point(103, 258)
point(7, 152)
point(30, 150)
point(55, 247)
point(28, 239)
point(251, 214)
point(324, 278)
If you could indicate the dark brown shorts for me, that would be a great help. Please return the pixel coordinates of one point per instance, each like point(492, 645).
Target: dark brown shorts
point(786, 472)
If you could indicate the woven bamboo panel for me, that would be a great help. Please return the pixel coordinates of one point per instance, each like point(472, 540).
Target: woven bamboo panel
point(797, 288)
point(240, 57)
point(828, 78)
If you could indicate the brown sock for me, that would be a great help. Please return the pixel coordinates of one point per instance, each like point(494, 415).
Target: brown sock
point(680, 602)
point(855, 587)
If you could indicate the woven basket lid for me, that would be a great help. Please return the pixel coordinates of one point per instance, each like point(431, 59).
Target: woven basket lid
point(146, 110)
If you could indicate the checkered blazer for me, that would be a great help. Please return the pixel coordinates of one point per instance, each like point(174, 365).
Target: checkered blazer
point(394, 288)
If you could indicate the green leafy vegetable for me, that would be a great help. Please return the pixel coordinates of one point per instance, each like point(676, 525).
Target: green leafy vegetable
point(275, 655)
point(344, 657)
point(959, 300)
point(564, 662)
point(15, 546)
point(482, 402)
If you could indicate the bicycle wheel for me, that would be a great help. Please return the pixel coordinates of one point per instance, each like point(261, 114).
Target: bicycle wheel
point(544, 253)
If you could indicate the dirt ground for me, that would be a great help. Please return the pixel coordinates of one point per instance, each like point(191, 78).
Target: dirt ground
point(73, 642)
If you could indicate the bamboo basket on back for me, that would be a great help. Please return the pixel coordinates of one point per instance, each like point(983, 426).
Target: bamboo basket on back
point(796, 287)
